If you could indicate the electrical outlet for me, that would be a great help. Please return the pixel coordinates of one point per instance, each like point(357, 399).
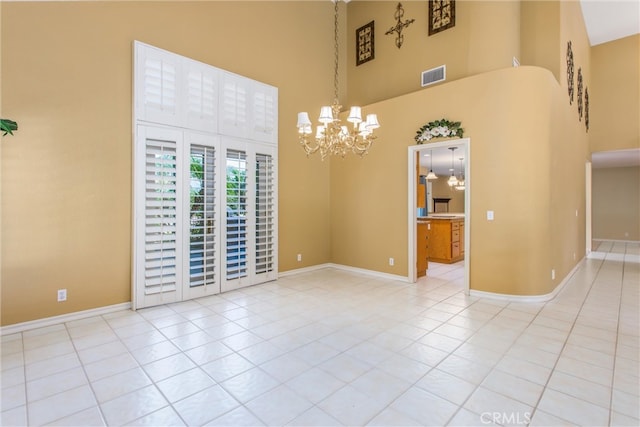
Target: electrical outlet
point(299, 257)
point(391, 261)
point(553, 274)
point(62, 295)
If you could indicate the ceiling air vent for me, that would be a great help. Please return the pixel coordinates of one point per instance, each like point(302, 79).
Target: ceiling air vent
point(434, 75)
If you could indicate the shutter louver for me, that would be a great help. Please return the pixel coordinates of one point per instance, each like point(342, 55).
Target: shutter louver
point(265, 214)
point(203, 227)
point(236, 223)
point(160, 217)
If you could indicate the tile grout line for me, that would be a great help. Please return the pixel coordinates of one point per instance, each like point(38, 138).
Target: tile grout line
point(443, 297)
point(493, 368)
point(553, 369)
point(615, 349)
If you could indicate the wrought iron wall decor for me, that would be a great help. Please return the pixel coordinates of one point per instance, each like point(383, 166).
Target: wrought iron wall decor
point(442, 15)
point(586, 108)
point(365, 43)
point(398, 15)
point(579, 94)
point(570, 72)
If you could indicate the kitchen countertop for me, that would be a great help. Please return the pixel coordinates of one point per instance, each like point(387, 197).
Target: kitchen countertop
point(442, 215)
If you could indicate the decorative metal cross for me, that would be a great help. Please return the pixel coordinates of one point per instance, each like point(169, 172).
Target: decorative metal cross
point(399, 25)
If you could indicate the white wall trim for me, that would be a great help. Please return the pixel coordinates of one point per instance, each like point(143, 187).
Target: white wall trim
point(412, 217)
point(289, 273)
point(371, 272)
point(529, 298)
point(616, 241)
point(54, 320)
point(588, 181)
point(379, 274)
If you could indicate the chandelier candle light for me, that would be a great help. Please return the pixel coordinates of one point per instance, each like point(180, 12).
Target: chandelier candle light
point(332, 137)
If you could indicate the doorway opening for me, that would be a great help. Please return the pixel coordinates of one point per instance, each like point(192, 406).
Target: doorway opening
point(442, 159)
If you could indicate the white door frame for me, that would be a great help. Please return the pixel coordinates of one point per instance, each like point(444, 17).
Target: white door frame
point(588, 199)
point(413, 215)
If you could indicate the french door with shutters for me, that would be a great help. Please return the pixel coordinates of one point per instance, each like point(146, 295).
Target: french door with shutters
point(205, 179)
point(205, 214)
point(250, 228)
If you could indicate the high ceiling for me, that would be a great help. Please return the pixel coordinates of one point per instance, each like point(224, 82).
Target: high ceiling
point(608, 20)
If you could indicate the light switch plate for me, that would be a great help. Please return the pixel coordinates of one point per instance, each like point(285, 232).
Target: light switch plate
point(489, 215)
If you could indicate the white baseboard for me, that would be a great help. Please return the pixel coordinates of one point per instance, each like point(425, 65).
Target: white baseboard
point(529, 298)
point(369, 272)
point(48, 321)
point(303, 270)
point(344, 268)
point(616, 241)
point(54, 320)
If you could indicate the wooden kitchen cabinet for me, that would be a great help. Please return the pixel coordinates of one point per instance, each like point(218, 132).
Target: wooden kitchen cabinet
point(446, 243)
point(422, 262)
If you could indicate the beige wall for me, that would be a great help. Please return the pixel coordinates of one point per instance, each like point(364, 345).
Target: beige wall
point(540, 35)
point(528, 166)
point(66, 175)
point(570, 149)
point(616, 203)
point(372, 227)
point(615, 95)
point(441, 189)
point(462, 48)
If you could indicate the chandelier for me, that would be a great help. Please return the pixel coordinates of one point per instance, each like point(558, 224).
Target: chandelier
point(332, 137)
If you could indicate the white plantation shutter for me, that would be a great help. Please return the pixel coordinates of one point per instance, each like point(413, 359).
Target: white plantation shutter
point(201, 97)
point(234, 106)
point(203, 224)
point(265, 228)
point(236, 215)
point(158, 217)
point(265, 111)
point(205, 206)
point(159, 86)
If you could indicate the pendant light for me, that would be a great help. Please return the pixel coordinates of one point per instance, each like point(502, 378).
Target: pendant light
point(460, 184)
point(452, 179)
point(431, 175)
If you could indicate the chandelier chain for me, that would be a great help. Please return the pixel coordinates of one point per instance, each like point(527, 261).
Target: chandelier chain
point(335, 48)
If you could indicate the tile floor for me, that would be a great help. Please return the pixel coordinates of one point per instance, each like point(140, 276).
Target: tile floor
point(337, 348)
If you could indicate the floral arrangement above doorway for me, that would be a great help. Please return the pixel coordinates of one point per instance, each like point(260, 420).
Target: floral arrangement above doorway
point(438, 128)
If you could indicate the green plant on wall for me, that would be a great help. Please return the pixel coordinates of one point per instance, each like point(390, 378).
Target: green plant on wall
point(7, 126)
